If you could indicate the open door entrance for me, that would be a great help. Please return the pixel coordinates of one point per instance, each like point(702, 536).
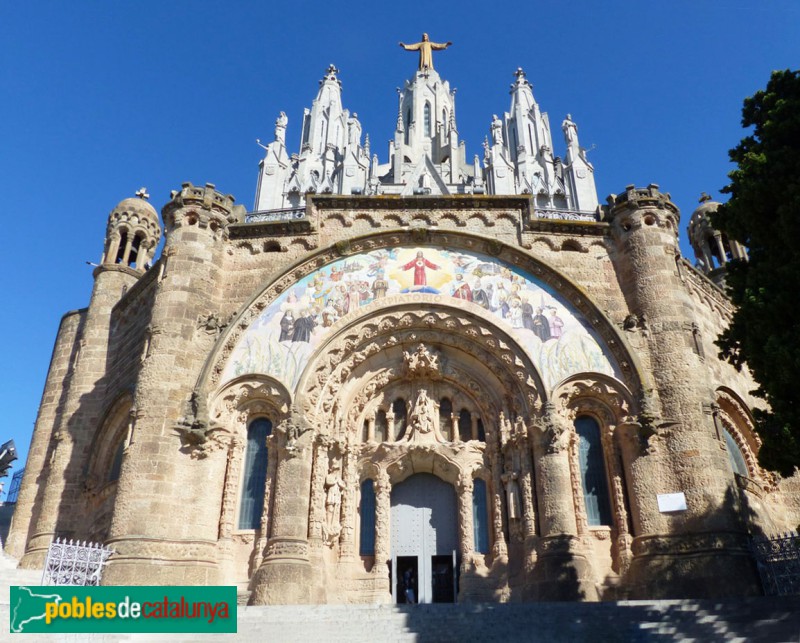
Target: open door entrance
point(407, 580)
point(443, 579)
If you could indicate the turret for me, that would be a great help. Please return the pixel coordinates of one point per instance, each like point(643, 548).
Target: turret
point(712, 248)
point(170, 421)
point(679, 448)
point(132, 233)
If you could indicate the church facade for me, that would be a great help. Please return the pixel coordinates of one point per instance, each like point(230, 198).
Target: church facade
point(466, 379)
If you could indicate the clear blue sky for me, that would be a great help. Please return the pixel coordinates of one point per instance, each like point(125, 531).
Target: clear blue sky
point(101, 98)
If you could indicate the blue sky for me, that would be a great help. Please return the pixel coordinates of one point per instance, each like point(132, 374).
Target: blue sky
point(102, 98)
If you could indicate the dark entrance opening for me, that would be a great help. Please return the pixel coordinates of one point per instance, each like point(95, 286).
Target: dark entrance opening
point(407, 578)
point(442, 578)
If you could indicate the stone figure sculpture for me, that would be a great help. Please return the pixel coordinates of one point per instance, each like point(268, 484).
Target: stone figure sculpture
point(333, 503)
point(280, 128)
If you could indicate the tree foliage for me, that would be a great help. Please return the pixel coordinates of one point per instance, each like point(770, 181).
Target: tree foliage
point(764, 213)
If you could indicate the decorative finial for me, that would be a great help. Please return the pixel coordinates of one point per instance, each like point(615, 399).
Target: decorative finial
point(519, 73)
point(704, 197)
point(331, 71)
point(142, 194)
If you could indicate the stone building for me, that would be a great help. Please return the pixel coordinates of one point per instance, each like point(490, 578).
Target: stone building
point(465, 377)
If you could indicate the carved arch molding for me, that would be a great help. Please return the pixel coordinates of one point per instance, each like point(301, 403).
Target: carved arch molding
point(613, 341)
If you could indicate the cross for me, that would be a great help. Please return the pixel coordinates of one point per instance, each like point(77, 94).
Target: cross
point(142, 193)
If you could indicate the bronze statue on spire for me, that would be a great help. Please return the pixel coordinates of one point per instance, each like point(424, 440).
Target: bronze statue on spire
point(425, 48)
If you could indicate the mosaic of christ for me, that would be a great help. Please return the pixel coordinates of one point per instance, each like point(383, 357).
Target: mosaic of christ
point(280, 342)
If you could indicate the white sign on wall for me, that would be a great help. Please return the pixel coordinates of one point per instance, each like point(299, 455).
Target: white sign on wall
point(668, 502)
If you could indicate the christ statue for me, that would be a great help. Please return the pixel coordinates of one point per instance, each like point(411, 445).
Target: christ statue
point(425, 48)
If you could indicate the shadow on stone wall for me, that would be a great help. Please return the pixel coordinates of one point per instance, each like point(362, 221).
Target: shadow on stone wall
point(710, 558)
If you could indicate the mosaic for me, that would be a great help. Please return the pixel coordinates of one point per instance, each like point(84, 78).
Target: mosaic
point(281, 340)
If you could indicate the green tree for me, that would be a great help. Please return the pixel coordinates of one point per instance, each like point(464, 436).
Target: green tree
point(764, 213)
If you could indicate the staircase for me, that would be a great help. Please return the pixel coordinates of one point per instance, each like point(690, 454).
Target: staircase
point(749, 619)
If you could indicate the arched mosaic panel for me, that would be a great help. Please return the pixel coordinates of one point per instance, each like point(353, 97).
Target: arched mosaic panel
point(281, 340)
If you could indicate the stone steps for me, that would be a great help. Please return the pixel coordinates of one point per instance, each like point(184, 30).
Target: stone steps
point(751, 619)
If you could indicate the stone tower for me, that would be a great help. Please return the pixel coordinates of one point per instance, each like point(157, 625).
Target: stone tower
point(712, 248)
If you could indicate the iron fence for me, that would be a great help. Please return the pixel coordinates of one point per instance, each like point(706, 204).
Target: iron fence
point(74, 563)
point(778, 561)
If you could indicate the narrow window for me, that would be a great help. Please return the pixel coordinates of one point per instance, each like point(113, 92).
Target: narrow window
point(735, 455)
point(123, 243)
point(427, 119)
point(481, 431)
point(593, 472)
point(445, 421)
point(480, 516)
point(255, 474)
point(116, 465)
point(367, 540)
point(365, 432)
point(464, 426)
point(381, 426)
point(137, 240)
point(408, 125)
point(399, 408)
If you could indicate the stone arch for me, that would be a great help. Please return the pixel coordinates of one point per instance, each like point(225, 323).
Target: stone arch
point(113, 431)
point(102, 468)
point(631, 372)
point(366, 354)
point(733, 415)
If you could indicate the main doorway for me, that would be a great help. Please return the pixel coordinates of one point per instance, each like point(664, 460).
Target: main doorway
point(424, 540)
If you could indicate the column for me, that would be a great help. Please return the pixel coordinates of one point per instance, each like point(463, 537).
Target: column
point(383, 509)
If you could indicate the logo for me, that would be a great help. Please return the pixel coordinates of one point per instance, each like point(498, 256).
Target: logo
point(126, 609)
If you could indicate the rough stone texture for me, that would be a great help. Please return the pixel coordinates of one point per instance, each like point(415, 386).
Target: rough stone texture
point(144, 369)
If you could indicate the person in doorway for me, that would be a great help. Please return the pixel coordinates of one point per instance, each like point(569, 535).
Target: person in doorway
point(408, 583)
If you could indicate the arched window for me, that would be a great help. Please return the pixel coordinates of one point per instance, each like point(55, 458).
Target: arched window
point(445, 421)
point(367, 539)
point(480, 516)
point(593, 471)
point(381, 426)
point(481, 431)
point(123, 243)
point(427, 119)
point(137, 241)
point(254, 477)
point(464, 426)
point(735, 455)
point(116, 465)
point(399, 408)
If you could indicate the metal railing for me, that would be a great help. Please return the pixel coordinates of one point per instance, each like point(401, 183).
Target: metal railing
point(778, 562)
point(564, 215)
point(13, 489)
point(284, 214)
point(74, 563)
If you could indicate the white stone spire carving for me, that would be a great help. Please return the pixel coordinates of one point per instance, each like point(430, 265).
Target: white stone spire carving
point(520, 158)
point(425, 154)
point(331, 157)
